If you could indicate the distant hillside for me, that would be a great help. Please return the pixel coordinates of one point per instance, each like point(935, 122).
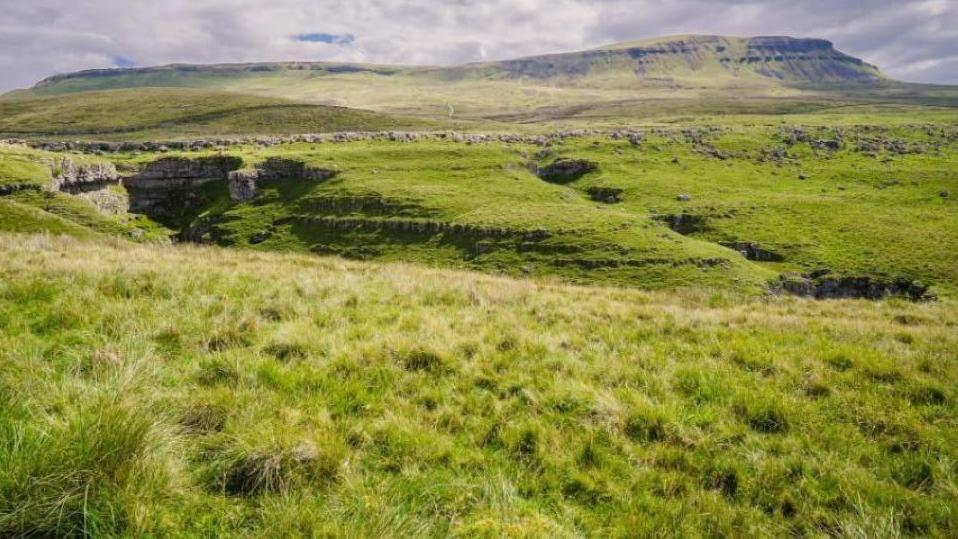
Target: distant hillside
point(698, 60)
point(178, 112)
point(779, 59)
point(709, 69)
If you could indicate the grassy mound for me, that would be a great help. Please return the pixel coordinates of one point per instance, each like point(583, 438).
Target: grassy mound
point(199, 391)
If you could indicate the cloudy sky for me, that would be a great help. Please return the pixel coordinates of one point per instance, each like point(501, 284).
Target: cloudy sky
point(915, 40)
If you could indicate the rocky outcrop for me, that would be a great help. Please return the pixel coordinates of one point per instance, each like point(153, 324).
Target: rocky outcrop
point(566, 170)
point(168, 169)
point(634, 136)
point(413, 226)
point(367, 205)
point(171, 185)
point(97, 182)
point(72, 177)
point(110, 200)
point(11, 188)
point(242, 185)
point(823, 285)
point(276, 168)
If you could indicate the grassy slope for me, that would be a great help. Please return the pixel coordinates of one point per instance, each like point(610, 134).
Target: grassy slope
point(23, 166)
point(131, 114)
point(472, 185)
point(880, 216)
point(187, 391)
point(36, 209)
point(18, 217)
point(62, 213)
point(473, 98)
point(231, 106)
point(853, 213)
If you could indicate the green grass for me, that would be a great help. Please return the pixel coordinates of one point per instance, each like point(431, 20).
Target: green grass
point(857, 214)
point(79, 217)
point(270, 390)
point(22, 166)
point(17, 217)
point(487, 191)
point(201, 392)
point(140, 114)
point(885, 214)
point(32, 207)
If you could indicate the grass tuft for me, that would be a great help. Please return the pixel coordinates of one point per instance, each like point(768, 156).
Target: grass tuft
point(763, 414)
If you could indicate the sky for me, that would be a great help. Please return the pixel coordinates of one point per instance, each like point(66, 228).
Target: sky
point(913, 40)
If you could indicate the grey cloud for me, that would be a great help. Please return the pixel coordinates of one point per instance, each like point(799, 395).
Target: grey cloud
point(910, 39)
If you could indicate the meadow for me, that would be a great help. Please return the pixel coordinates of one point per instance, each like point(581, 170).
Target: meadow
point(151, 390)
point(561, 296)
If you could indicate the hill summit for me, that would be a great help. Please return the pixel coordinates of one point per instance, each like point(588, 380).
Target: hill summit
point(699, 60)
point(636, 79)
point(714, 58)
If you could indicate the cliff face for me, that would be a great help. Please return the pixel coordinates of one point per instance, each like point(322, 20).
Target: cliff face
point(94, 181)
point(171, 186)
point(697, 60)
point(714, 59)
point(74, 178)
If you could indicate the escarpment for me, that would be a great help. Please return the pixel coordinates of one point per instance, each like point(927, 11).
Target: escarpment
point(172, 187)
point(780, 58)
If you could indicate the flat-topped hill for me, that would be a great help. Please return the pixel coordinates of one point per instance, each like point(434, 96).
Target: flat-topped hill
point(710, 61)
point(694, 69)
point(779, 59)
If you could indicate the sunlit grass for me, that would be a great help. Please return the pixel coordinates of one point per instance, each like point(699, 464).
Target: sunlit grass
point(182, 390)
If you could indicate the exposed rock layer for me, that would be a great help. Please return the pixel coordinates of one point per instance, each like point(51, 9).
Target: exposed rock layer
point(72, 177)
point(172, 185)
point(821, 285)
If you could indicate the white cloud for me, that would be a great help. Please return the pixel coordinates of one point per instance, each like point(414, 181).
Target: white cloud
point(914, 39)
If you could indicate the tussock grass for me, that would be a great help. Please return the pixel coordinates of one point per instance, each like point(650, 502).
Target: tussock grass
point(199, 391)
